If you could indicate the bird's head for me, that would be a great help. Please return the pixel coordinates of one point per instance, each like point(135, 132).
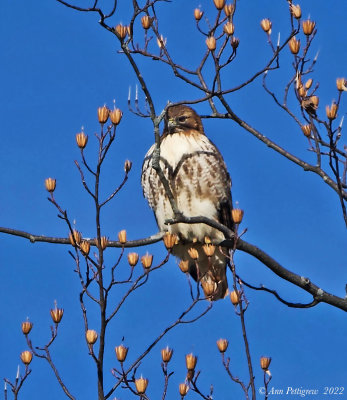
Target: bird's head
point(182, 119)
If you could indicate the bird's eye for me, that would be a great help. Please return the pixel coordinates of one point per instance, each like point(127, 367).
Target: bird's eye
point(182, 118)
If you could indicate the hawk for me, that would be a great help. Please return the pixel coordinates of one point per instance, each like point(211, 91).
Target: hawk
point(200, 184)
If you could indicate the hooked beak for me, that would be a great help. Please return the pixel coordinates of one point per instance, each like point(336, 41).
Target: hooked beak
point(171, 124)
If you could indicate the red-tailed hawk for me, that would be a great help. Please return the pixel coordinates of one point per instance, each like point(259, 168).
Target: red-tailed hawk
point(200, 184)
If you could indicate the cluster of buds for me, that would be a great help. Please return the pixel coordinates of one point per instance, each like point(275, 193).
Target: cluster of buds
point(26, 357)
point(146, 22)
point(166, 354)
point(331, 111)
point(91, 336)
point(75, 237)
point(266, 24)
point(141, 385)
point(85, 247)
point(133, 258)
point(122, 236)
point(341, 84)
point(306, 130)
point(237, 215)
point(147, 261)
point(219, 4)
point(295, 10)
point(81, 140)
point(57, 313)
point(265, 363)
point(198, 14)
point(294, 45)
point(122, 31)
point(26, 327)
point(235, 297)
point(183, 389)
point(184, 265)
point(121, 352)
point(170, 240)
point(308, 27)
point(211, 43)
point(229, 28)
point(222, 345)
point(50, 184)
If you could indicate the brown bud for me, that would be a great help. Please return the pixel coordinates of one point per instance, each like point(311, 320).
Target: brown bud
point(115, 116)
point(85, 247)
point(75, 237)
point(91, 336)
point(235, 42)
point(26, 357)
point(308, 83)
point(302, 91)
point(146, 22)
point(294, 45)
point(198, 14)
point(308, 26)
point(265, 363)
point(209, 249)
point(306, 129)
point(26, 327)
point(127, 166)
point(222, 345)
point(121, 352)
point(266, 24)
point(315, 101)
point(103, 113)
point(228, 9)
point(103, 242)
point(235, 297)
point(161, 42)
point(183, 389)
point(133, 258)
point(211, 43)
point(166, 354)
point(147, 260)
point(121, 31)
point(237, 215)
point(184, 266)
point(122, 236)
point(331, 111)
point(50, 184)
point(207, 240)
point(141, 385)
point(296, 11)
point(190, 375)
point(229, 28)
point(341, 84)
point(82, 140)
point(191, 361)
point(209, 287)
point(219, 4)
point(193, 253)
point(169, 240)
point(57, 314)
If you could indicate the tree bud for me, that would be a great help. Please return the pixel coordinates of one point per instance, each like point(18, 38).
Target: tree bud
point(57, 314)
point(147, 260)
point(26, 327)
point(183, 389)
point(219, 4)
point(308, 26)
point(193, 253)
point(169, 240)
point(75, 237)
point(341, 84)
point(141, 385)
point(121, 352)
point(235, 297)
point(103, 113)
point(133, 258)
point(50, 184)
point(122, 236)
point(166, 354)
point(146, 22)
point(296, 11)
point(91, 336)
point(103, 242)
point(121, 31)
point(228, 9)
point(184, 265)
point(331, 111)
point(211, 43)
point(306, 129)
point(127, 166)
point(222, 345)
point(266, 24)
point(26, 357)
point(237, 215)
point(85, 247)
point(198, 14)
point(209, 249)
point(294, 45)
point(191, 361)
point(82, 140)
point(115, 116)
point(265, 363)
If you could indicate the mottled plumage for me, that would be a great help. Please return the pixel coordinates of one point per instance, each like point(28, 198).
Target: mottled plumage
point(200, 184)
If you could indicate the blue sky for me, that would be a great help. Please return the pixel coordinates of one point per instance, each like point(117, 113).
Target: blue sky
point(57, 67)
